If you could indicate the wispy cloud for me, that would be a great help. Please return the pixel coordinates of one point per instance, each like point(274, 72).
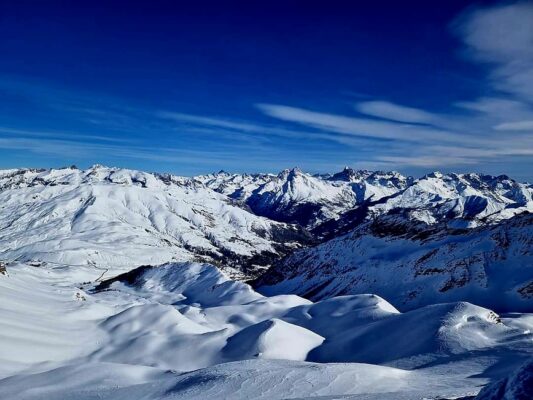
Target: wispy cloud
point(210, 121)
point(73, 136)
point(420, 145)
point(503, 37)
point(395, 112)
point(217, 126)
point(515, 126)
point(371, 128)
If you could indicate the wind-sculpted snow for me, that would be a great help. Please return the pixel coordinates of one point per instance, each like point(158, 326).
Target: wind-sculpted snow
point(115, 219)
point(187, 331)
point(414, 265)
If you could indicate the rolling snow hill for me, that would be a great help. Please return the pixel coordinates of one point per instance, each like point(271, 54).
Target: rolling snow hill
point(186, 330)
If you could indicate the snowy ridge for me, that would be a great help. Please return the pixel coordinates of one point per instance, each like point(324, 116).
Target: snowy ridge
point(297, 197)
point(468, 200)
point(118, 219)
point(235, 186)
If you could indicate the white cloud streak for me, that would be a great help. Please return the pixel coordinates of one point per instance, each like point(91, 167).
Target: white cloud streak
point(360, 126)
point(395, 112)
point(515, 126)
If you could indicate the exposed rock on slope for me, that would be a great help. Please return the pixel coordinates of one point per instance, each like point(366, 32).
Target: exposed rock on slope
point(462, 200)
point(116, 219)
point(414, 264)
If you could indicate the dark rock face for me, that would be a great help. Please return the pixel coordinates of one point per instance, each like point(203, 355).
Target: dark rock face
point(517, 386)
point(131, 278)
point(302, 214)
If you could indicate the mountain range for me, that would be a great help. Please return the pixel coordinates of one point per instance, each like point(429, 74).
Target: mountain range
point(117, 283)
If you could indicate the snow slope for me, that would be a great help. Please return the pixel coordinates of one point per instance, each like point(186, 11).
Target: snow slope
point(414, 265)
point(467, 200)
point(294, 196)
point(517, 386)
point(186, 331)
point(116, 219)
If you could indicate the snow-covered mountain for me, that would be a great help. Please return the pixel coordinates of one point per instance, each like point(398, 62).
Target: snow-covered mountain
point(297, 197)
point(412, 264)
point(119, 284)
point(337, 203)
point(466, 200)
point(118, 219)
point(235, 186)
point(291, 196)
point(115, 219)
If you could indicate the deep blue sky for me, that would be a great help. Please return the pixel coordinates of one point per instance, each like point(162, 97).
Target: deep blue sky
point(259, 86)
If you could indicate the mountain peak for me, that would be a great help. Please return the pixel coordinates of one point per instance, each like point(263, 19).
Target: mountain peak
point(349, 174)
point(290, 173)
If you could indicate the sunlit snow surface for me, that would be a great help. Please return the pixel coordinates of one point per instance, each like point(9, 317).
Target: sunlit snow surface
point(115, 219)
point(186, 331)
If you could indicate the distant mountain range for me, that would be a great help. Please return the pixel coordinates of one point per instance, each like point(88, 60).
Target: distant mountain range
point(441, 237)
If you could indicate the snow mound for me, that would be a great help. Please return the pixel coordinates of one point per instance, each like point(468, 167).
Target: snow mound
point(200, 283)
point(273, 339)
point(442, 329)
point(188, 331)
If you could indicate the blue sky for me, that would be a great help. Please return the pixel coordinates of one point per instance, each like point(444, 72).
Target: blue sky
point(249, 86)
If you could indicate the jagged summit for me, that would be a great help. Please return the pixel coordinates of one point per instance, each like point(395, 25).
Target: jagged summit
point(290, 173)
